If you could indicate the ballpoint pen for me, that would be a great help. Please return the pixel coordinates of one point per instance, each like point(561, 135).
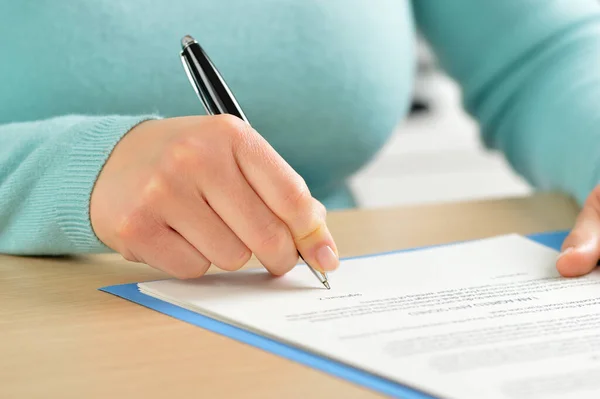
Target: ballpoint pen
point(216, 97)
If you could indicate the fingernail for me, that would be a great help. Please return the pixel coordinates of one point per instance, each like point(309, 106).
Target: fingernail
point(326, 258)
point(565, 251)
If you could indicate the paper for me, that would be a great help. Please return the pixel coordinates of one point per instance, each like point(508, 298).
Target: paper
point(483, 319)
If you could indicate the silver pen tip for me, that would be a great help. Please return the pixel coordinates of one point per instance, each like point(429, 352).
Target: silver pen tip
point(186, 41)
point(326, 284)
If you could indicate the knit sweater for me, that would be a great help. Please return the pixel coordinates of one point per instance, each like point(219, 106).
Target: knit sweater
point(325, 82)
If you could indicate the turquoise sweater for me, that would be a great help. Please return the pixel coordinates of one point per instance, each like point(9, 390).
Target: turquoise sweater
point(325, 81)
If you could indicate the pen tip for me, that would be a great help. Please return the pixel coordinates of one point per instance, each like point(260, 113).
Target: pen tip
point(186, 41)
point(326, 284)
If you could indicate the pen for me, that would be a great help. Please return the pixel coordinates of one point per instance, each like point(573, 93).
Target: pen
point(216, 97)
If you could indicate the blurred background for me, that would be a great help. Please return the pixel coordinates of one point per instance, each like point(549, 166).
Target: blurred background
point(435, 155)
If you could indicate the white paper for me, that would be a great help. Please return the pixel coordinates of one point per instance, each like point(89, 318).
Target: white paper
point(484, 319)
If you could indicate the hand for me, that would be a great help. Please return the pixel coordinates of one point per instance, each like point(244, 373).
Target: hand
point(181, 194)
point(581, 249)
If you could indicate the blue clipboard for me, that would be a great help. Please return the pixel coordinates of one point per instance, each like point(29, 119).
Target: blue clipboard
point(381, 385)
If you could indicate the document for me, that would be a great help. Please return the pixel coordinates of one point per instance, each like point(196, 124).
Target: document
point(490, 318)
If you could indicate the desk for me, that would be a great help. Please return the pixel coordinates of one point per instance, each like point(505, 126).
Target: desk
point(62, 338)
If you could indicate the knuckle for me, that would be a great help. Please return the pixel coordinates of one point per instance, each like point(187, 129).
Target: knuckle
point(239, 134)
point(136, 227)
point(298, 198)
point(140, 223)
point(179, 156)
point(184, 154)
point(273, 237)
point(155, 190)
point(232, 125)
point(129, 230)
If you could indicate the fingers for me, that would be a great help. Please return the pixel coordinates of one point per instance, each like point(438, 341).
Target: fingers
point(190, 215)
point(211, 190)
point(238, 205)
point(287, 195)
point(581, 248)
point(149, 241)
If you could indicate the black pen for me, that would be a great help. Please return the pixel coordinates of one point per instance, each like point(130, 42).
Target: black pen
point(215, 96)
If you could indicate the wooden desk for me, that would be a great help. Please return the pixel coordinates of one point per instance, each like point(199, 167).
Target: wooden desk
point(61, 338)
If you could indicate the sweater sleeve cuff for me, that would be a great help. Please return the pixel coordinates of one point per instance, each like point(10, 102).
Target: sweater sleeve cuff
point(93, 142)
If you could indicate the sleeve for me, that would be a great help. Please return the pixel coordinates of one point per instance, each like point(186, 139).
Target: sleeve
point(47, 171)
point(529, 71)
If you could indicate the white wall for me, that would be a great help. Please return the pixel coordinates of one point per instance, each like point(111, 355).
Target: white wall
point(436, 157)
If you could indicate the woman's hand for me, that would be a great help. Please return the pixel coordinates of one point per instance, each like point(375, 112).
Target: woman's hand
point(179, 194)
point(581, 249)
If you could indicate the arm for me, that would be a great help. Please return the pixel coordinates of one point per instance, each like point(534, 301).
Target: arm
point(178, 194)
point(530, 74)
point(47, 172)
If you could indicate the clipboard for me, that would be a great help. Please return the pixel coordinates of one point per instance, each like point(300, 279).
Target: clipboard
point(362, 378)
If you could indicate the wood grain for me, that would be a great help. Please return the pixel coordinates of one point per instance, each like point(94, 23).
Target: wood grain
point(61, 337)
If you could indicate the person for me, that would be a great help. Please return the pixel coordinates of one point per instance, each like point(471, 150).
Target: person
point(105, 146)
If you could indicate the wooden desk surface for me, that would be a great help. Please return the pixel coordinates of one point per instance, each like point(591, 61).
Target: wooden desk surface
point(60, 337)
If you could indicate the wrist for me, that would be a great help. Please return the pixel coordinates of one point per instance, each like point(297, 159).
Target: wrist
point(91, 143)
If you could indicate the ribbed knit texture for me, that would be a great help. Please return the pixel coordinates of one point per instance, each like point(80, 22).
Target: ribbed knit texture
point(90, 150)
point(48, 176)
point(324, 81)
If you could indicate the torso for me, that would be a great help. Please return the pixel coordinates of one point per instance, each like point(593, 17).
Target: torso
point(324, 81)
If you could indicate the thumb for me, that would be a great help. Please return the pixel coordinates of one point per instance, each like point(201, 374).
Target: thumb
point(581, 248)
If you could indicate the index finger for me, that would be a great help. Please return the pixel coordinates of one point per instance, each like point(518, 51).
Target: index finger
point(285, 192)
